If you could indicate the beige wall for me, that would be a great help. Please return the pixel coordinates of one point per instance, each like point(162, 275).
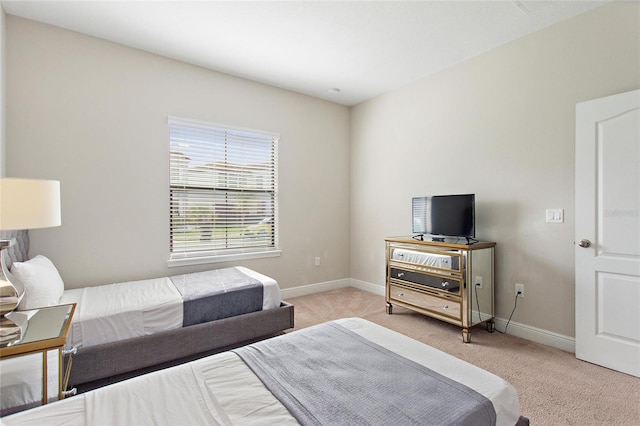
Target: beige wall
point(93, 114)
point(500, 126)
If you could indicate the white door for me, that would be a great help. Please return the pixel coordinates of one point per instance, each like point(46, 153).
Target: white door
point(607, 253)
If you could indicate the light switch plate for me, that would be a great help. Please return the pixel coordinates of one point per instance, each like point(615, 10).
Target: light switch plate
point(555, 215)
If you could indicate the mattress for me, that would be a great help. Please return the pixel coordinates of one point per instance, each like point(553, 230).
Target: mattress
point(221, 389)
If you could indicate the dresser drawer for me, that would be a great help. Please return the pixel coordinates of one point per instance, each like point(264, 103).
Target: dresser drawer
point(448, 284)
point(444, 261)
point(449, 308)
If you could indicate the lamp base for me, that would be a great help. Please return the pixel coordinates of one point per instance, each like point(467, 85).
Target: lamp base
point(11, 289)
point(10, 331)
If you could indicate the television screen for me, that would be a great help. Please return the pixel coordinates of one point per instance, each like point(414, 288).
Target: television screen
point(446, 215)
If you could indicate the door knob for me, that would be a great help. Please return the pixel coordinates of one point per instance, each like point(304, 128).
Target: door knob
point(584, 243)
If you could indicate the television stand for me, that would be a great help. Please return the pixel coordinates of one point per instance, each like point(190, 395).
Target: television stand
point(452, 282)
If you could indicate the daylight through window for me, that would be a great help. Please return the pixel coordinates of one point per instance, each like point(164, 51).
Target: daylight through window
point(223, 190)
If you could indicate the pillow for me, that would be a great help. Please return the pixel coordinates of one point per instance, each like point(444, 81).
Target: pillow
point(43, 285)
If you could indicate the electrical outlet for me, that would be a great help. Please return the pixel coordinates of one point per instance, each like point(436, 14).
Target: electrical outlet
point(317, 261)
point(478, 281)
point(520, 290)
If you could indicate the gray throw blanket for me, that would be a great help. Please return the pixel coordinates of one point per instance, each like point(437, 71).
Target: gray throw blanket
point(220, 293)
point(329, 375)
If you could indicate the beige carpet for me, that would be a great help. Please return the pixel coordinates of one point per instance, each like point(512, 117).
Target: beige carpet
point(554, 387)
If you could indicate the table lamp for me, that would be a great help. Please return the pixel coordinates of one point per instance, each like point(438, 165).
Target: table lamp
point(24, 204)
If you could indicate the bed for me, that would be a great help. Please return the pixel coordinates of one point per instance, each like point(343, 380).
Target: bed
point(115, 312)
point(124, 329)
point(298, 378)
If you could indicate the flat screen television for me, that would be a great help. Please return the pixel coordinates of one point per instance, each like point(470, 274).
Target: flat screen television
point(444, 215)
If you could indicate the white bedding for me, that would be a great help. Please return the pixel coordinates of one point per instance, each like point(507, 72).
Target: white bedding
point(271, 298)
point(221, 390)
point(113, 312)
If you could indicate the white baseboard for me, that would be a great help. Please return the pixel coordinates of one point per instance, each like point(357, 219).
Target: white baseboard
point(304, 290)
point(538, 335)
point(524, 331)
point(371, 288)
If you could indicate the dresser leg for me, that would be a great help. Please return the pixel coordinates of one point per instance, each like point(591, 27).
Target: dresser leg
point(466, 335)
point(491, 326)
point(389, 308)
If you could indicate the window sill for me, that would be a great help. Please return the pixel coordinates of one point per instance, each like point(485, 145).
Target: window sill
point(232, 257)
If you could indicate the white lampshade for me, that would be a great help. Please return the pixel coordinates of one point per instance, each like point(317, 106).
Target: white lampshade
point(29, 203)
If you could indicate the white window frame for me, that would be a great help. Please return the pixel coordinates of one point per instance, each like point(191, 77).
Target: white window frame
point(233, 228)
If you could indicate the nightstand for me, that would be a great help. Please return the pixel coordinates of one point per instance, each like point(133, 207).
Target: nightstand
point(35, 361)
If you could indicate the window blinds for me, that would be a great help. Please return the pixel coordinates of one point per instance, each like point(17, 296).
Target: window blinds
point(223, 190)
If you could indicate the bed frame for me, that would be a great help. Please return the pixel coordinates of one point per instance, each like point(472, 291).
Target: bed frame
point(111, 362)
point(106, 363)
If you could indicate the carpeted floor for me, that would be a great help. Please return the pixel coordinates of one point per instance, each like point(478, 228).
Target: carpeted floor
point(554, 387)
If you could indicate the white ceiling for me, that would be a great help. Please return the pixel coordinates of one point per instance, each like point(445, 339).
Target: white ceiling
point(363, 48)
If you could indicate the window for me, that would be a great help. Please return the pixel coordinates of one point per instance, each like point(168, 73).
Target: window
point(223, 193)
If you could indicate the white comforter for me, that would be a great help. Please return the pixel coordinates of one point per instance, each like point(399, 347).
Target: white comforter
point(222, 390)
point(113, 312)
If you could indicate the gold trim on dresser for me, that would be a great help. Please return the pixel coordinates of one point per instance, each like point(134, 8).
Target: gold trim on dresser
point(447, 280)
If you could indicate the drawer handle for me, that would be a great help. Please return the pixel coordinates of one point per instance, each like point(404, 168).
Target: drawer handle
point(401, 274)
point(400, 294)
point(445, 306)
point(445, 283)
